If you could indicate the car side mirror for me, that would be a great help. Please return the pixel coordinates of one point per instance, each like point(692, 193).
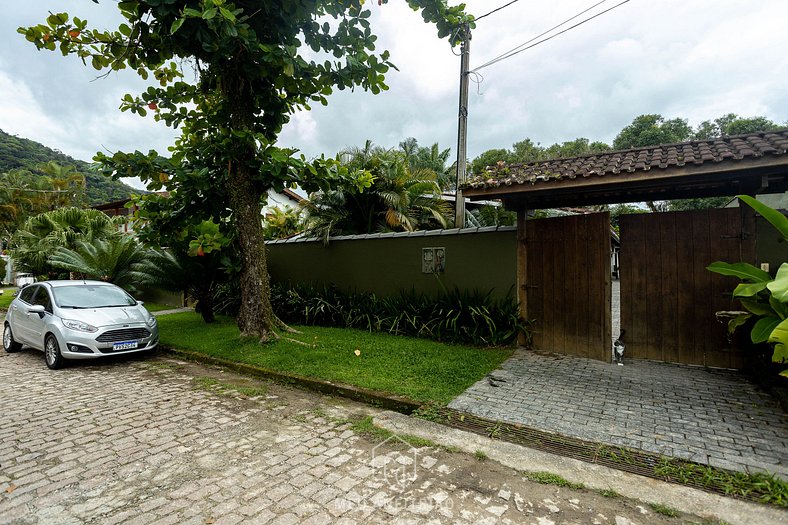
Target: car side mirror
point(37, 309)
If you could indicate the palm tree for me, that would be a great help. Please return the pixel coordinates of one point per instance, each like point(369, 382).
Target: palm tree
point(116, 260)
point(42, 234)
point(400, 198)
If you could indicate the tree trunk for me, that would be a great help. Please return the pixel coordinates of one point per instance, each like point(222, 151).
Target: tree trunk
point(255, 317)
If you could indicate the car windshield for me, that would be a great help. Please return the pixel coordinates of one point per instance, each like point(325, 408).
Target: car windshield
point(91, 296)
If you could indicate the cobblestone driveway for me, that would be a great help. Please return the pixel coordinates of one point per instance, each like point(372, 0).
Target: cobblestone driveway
point(715, 417)
point(143, 442)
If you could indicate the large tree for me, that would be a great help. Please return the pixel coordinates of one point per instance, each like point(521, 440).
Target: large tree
point(255, 64)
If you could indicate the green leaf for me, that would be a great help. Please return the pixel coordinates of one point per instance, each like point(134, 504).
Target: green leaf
point(779, 287)
point(744, 271)
point(763, 329)
point(748, 290)
point(780, 355)
point(757, 307)
point(780, 308)
point(227, 14)
point(779, 334)
point(777, 219)
point(209, 13)
point(737, 321)
point(176, 25)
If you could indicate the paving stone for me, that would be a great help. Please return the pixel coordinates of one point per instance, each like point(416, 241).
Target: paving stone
point(134, 446)
point(646, 405)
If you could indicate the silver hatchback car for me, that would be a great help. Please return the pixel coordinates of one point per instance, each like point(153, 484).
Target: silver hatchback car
point(78, 320)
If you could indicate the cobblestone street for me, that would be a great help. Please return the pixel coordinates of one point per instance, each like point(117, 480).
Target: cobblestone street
point(154, 441)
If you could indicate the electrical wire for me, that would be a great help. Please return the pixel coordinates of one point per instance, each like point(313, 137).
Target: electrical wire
point(495, 10)
point(524, 46)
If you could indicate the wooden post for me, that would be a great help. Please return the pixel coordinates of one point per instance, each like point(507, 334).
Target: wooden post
point(522, 270)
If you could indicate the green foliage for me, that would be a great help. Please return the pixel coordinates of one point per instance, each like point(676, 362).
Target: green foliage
point(455, 316)
point(764, 298)
point(651, 130)
point(255, 66)
point(282, 223)
point(201, 254)
point(431, 158)
point(32, 159)
point(759, 486)
point(488, 215)
point(422, 370)
point(526, 151)
point(400, 198)
point(702, 203)
point(117, 260)
point(39, 237)
point(732, 124)
point(659, 508)
point(548, 478)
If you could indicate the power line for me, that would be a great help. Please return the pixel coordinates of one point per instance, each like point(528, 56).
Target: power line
point(495, 10)
point(521, 48)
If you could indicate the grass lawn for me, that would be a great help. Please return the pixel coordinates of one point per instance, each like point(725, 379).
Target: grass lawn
point(423, 370)
point(6, 298)
point(158, 307)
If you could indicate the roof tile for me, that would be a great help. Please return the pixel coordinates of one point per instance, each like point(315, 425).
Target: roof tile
point(652, 158)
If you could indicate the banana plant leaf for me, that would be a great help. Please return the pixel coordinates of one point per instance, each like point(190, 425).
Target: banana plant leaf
point(744, 271)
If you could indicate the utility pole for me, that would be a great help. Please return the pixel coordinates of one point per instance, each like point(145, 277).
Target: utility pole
point(462, 127)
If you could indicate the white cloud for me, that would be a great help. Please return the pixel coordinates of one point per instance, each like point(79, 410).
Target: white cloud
point(698, 60)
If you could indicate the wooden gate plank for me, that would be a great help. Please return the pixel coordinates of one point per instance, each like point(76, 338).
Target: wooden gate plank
point(669, 288)
point(652, 285)
point(701, 240)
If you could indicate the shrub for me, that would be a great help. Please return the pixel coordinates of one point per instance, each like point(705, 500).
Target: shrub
point(456, 316)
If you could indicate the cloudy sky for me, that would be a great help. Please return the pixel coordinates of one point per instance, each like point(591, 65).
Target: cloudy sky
point(694, 59)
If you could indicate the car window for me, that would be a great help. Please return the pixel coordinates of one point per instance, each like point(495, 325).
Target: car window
point(27, 292)
point(91, 296)
point(42, 298)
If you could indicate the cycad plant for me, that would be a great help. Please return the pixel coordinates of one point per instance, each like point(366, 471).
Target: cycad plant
point(41, 235)
point(116, 260)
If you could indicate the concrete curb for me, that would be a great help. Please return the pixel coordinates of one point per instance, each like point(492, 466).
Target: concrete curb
point(387, 401)
point(596, 477)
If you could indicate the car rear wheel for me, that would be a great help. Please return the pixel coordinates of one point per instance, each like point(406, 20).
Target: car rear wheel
point(52, 353)
point(9, 343)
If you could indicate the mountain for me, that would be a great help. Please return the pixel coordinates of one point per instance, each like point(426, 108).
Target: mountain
point(17, 152)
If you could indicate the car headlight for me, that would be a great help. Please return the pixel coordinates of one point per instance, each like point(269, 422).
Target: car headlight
point(151, 321)
point(79, 325)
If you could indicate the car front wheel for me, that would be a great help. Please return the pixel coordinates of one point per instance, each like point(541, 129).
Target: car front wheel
point(9, 344)
point(52, 353)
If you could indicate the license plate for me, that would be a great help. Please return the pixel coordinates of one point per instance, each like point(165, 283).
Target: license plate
point(125, 345)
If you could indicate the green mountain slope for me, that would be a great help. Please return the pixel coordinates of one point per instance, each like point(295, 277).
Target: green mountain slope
point(17, 152)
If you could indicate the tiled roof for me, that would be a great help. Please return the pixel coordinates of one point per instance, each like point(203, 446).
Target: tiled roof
point(721, 151)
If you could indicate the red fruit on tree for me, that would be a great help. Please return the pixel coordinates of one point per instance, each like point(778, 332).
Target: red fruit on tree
point(152, 105)
point(73, 33)
point(200, 252)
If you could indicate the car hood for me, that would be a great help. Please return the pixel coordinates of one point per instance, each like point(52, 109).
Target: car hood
point(106, 316)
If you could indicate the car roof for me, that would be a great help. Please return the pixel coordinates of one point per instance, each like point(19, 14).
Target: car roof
point(61, 283)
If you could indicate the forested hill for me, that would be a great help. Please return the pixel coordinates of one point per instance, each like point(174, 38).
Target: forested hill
point(17, 152)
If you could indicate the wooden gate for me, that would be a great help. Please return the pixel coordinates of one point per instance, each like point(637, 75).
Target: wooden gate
point(567, 289)
point(668, 298)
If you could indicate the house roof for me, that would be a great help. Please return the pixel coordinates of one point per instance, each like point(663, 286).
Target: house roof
point(751, 163)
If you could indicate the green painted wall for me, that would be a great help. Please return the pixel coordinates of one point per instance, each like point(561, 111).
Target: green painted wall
point(484, 261)
point(769, 246)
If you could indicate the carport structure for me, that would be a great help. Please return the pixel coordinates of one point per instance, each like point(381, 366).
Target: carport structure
point(668, 298)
